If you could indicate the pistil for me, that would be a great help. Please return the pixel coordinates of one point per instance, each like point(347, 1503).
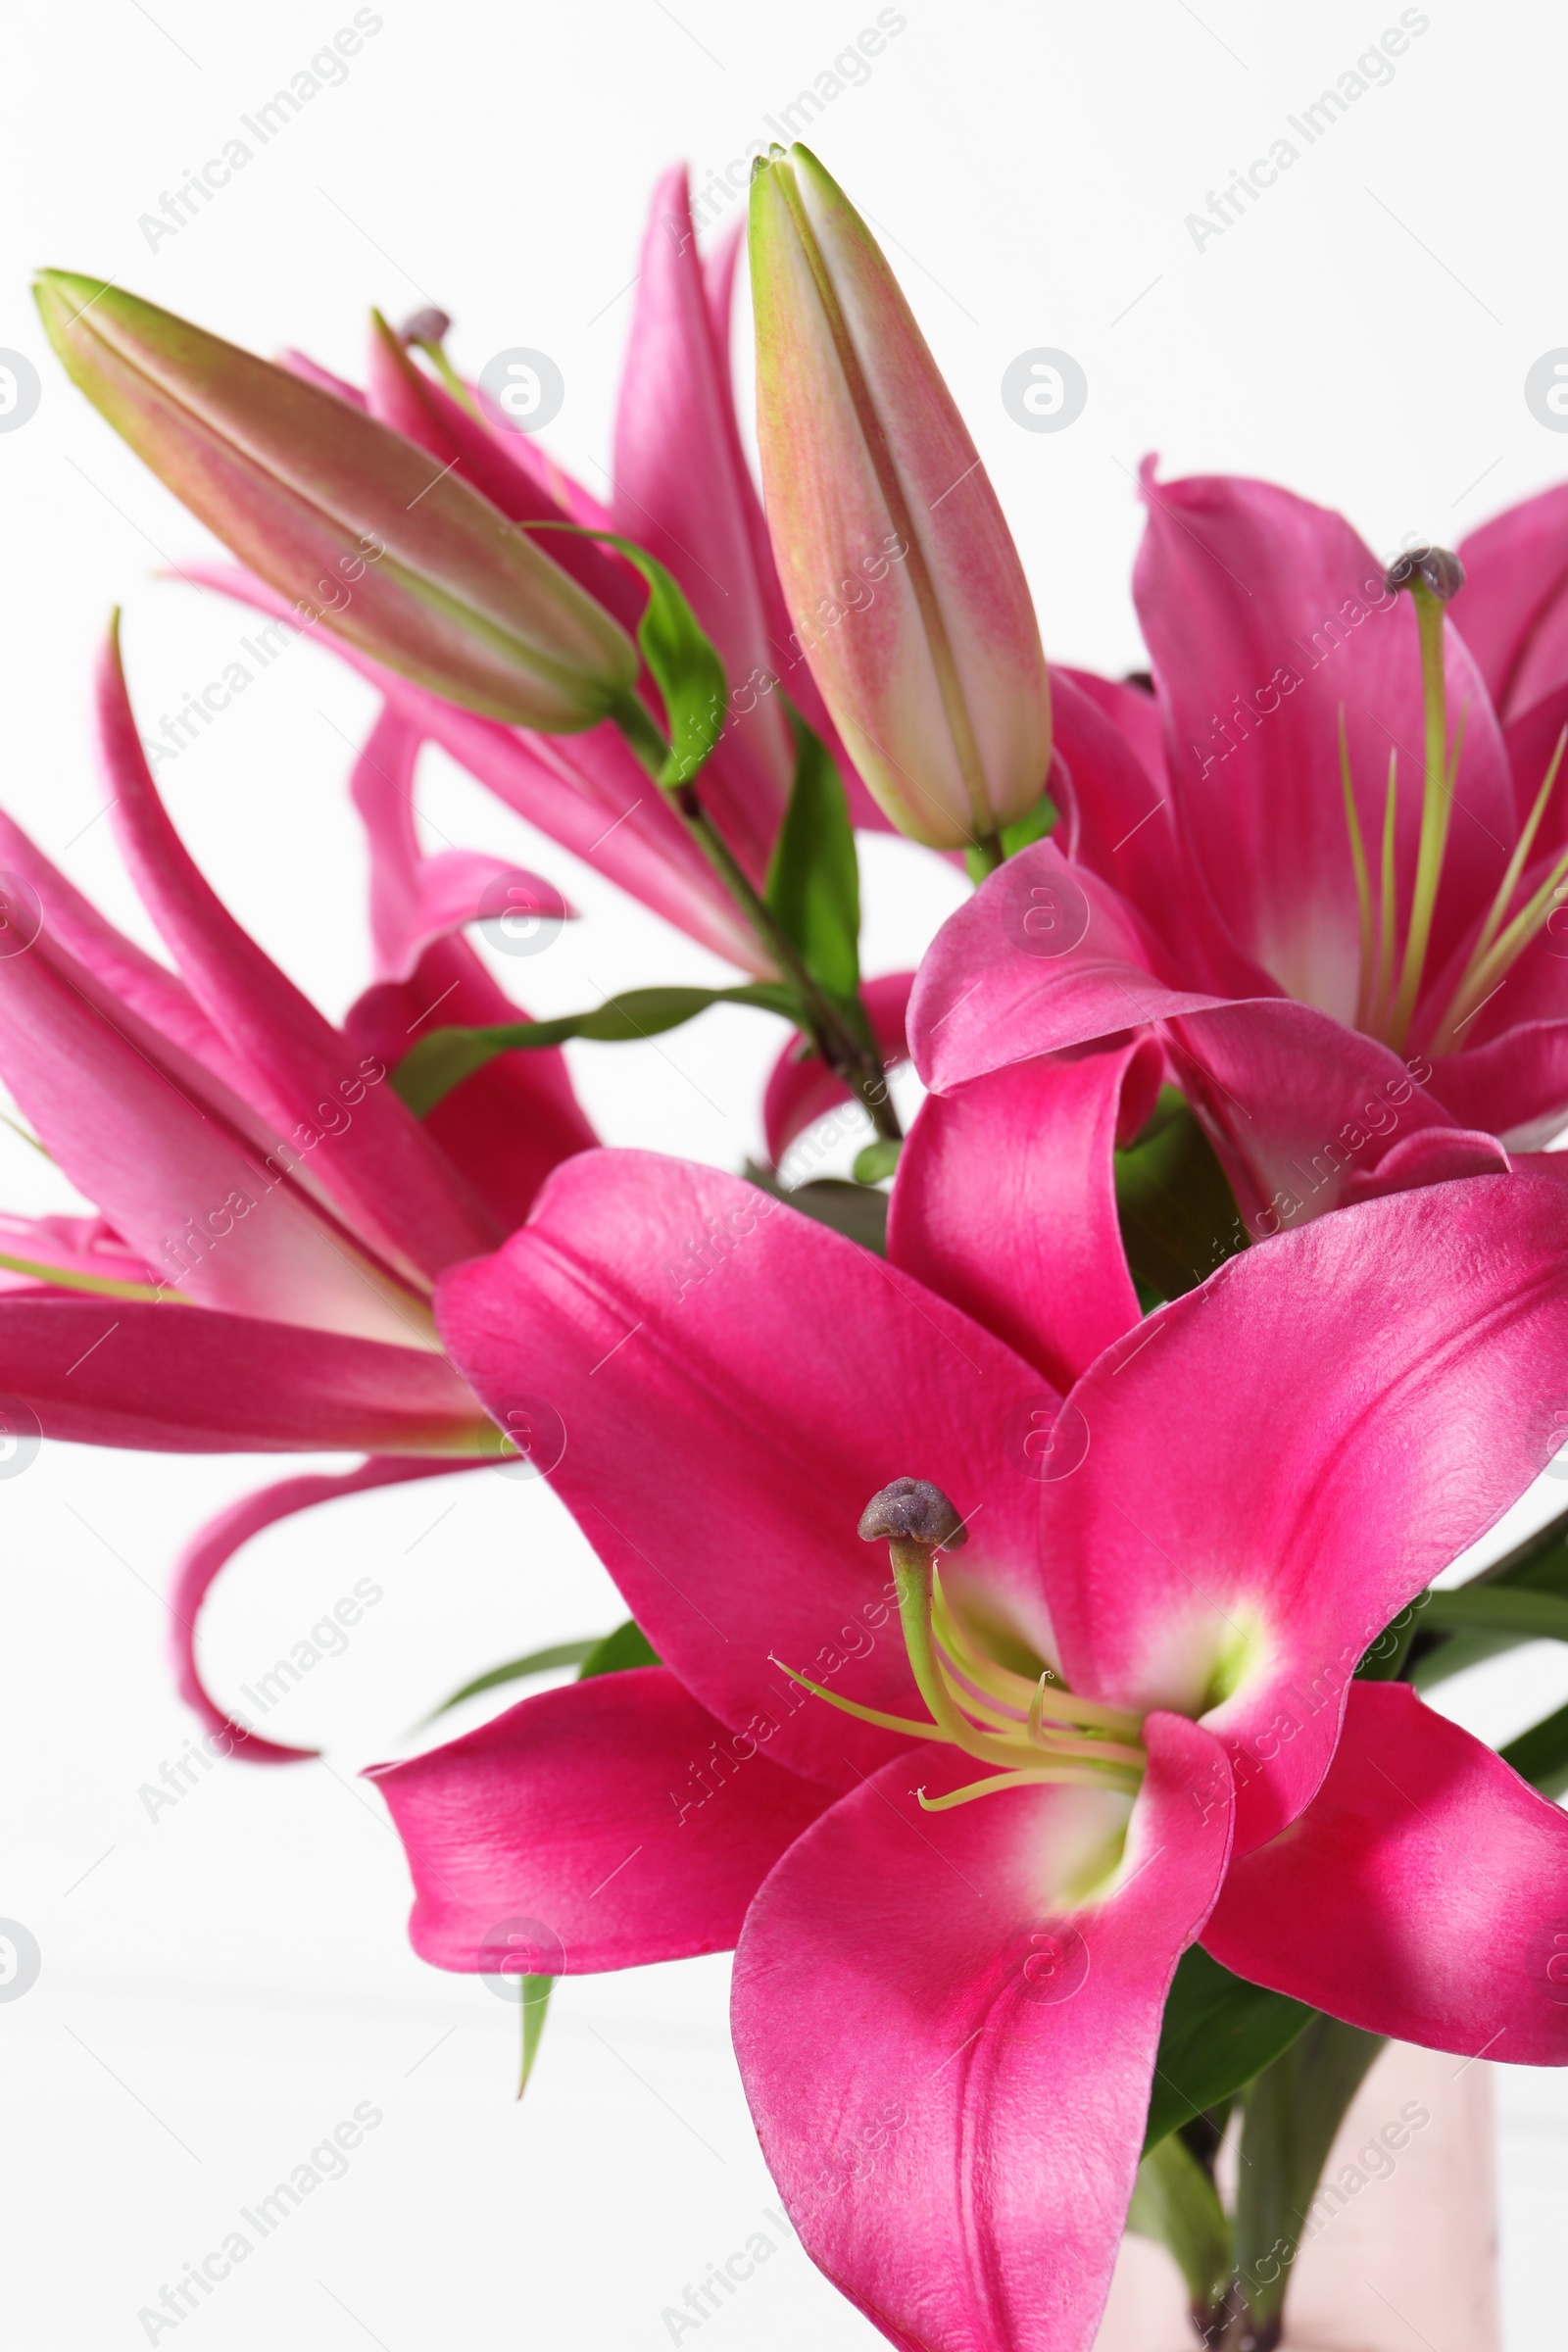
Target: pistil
point(1434, 577)
point(1028, 1731)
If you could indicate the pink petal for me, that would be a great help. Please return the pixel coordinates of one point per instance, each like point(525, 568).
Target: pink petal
point(1423, 1894)
point(1514, 608)
point(497, 464)
point(83, 1246)
point(802, 1089)
point(682, 489)
point(724, 1385)
point(1132, 710)
point(1264, 618)
point(1300, 1110)
point(380, 1168)
point(505, 1128)
point(1279, 1461)
point(1532, 740)
point(615, 1816)
point(116, 961)
point(1516, 1086)
point(949, 2060)
point(1432, 1156)
point(163, 1148)
point(172, 1379)
point(1027, 1153)
point(1045, 955)
point(416, 898)
point(215, 1545)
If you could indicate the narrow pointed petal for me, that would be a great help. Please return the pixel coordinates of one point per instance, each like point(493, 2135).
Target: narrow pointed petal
point(1265, 615)
point(802, 1089)
point(1121, 822)
point(1423, 1894)
point(209, 1554)
point(1027, 1153)
point(681, 487)
point(172, 1379)
point(505, 1128)
point(949, 2057)
point(1044, 956)
point(1515, 612)
point(401, 395)
point(617, 1815)
point(123, 968)
point(899, 573)
point(683, 1334)
point(416, 898)
point(349, 521)
point(1338, 1416)
point(379, 1167)
point(142, 1129)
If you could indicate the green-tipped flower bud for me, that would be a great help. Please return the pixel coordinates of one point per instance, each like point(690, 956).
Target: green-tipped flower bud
point(904, 584)
point(359, 528)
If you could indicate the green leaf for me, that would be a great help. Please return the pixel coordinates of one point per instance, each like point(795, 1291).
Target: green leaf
point(517, 1670)
point(813, 881)
point(1529, 1616)
point(685, 667)
point(1538, 1565)
point(1179, 1218)
point(534, 2002)
point(1176, 2204)
point(878, 1161)
point(628, 1646)
point(1540, 1754)
point(1294, 2112)
point(1218, 2033)
point(443, 1059)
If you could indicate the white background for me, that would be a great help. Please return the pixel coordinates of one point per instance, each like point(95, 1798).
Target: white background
point(220, 1986)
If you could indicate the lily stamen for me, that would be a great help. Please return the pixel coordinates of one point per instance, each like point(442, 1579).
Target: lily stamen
point(1057, 1739)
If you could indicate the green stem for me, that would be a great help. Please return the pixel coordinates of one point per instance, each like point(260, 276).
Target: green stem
point(1176, 2204)
point(855, 1058)
point(1294, 2110)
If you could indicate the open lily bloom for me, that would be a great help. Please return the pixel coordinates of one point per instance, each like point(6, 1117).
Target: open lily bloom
point(271, 1218)
point(963, 1821)
point(1315, 860)
point(682, 489)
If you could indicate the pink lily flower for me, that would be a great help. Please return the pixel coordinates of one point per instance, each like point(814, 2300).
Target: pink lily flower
point(1314, 862)
point(273, 1218)
point(963, 1822)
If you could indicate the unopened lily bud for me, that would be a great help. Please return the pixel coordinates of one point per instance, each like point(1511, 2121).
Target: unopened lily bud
point(911, 1510)
point(357, 526)
point(904, 584)
point(1438, 569)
